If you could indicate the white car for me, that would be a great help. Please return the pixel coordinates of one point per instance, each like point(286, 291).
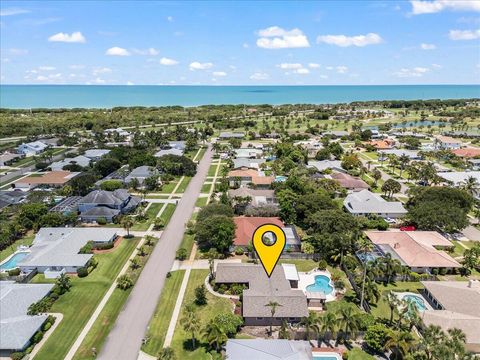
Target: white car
point(390, 220)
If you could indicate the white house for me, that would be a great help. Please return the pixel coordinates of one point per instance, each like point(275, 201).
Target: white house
point(32, 148)
point(367, 203)
point(447, 143)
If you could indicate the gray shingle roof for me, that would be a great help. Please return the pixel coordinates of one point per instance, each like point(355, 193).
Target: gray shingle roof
point(248, 163)
point(262, 349)
point(16, 327)
point(103, 197)
point(366, 202)
point(96, 153)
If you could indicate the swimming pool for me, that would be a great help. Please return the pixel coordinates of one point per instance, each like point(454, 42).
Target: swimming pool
point(12, 262)
point(326, 356)
point(322, 284)
point(280, 178)
point(417, 300)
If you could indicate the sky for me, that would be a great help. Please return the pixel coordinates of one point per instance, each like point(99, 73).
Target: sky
point(240, 43)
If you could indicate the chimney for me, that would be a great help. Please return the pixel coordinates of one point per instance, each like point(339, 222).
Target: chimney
point(396, 245)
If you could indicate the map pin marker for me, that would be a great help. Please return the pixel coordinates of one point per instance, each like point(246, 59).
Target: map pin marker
point(268, 247)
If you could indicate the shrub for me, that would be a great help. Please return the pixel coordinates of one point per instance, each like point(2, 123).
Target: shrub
point(124, 282)
point(46, 326)
point(82, 272)
point(339, 284)
point(201, 295)
point(14, 272)
point(104, 246)
point(414, 276)
point(230, 323)
point(181, 254)
point(17, 356)
point(239, 251)
point(87, 248)
point(442, 271)
point(376, 337)
point(322, 264)
point(37, 337)
point(101, 221)
point(158, 223)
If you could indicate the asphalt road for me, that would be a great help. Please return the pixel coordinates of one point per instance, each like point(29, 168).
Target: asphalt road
point(125, 339)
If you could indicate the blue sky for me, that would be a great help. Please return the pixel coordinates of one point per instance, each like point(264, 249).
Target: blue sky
point(236, 43)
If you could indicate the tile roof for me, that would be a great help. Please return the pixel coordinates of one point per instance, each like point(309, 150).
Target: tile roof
point(246, 226)
point(349, 182)
point(256, 177)
point(48, 178)
point(467, 152)
point(16, 327)
point(448, 140)
point(414, 248)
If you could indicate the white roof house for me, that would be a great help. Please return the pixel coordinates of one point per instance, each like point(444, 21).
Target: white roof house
point(326, 164)
point(32, 148)
point(96, 154)
point(58, 248)
point(172, 151)
point(16, 327)
point(248, 153)
point(268, 349)
point(81, 160)
point(459, 177)
point(412, 154)
point(367, 203)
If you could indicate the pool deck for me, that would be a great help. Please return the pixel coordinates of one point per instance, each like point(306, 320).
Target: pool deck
point(308, 278)
point(319, 353)
point(10, 257)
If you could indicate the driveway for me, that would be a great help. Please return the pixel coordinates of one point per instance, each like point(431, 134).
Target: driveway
point(125, 339)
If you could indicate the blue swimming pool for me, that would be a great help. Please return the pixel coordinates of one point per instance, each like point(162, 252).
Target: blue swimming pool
point(322, 284)
point(417, 300)
point(280, 178)
point(12, 262)
point(326, 357)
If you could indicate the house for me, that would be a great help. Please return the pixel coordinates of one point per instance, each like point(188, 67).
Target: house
point(67, 206)
point(474, 164)
point(245, 226)
point(171, 151)
point(468, 152)
point(420, 251)
point(7, 158)
point(457, 305)
point(268, 349)
point(384, 144)
point(56, 250)
point(259, 197)
point(280, 287)
point(326, 165)
point(119, 131)
point(45, 179)
point(367, 203)
point(447, 143)
point(312, 146)
point(459, 178)
point(96, 154)
point(141, 173)
point(248, 153)
point(106, 204)
point(225, 135)
point(247, 163)
point(336, 133)
point(349, 182)
point(32, 148)
point(244, 177)
point(16, 326)
point(8, 198)
point(412, 154)
point(80, 160)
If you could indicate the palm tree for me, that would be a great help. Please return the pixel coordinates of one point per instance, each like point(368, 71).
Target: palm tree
point(471, 185)
point(167, 354)
point(273, 308)
point(190, 322)
point(215, 335)
point(392, 301)
point(432, 336)
point(377, 175)
point(127, 223)
point(400, 343)
point(390, 267)
point(402, 313)
point(327, 323)
point(309, 322)
point(365, 247)
point(457, 340)
point(403, 161)
point(347, 321)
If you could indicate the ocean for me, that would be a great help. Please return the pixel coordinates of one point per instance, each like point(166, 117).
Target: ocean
point(105, 96)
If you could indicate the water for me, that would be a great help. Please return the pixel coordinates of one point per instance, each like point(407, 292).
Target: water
point(417, 300)
point(325, 357)
point(71, 96)
point(322, 284)
point(12, 262)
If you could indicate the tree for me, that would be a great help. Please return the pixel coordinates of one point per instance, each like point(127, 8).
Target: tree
point(309, 322)
point(391, 187)
point(52, 219)
point(124, 282)
point(365, 246)
point(376, 337)
point(403, 160)
point(127, 223)
point(83, 183)
point(215, 335)
point(176, 165)
point(190, 322)
point(229, 322)
point(216, 231)
point(63, 283)
point(167, 354)
point(393, 303)
point(201, 295)
point(347, 320)
point(273, 309)
point(327, 323)
point(471, 185)
point(111, 185)
point(181, 254)
point(351, 162)
point(214, 209)
point(377, 175)
point(400, 343)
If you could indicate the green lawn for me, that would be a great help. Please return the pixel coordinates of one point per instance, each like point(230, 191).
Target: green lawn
point(168, 188)
point(167, 213)
point(359, 354)
point(212, 170)
point(206, 188)
point(151, 214)
point(302, 265)
point(201, 201)
point(215, 306)
point(183, 185)
point(80, 302)
point(187, 243)
point(26, 240)
point(381, 309)
point(4, 185)
point(159, 323)
point(200, 154)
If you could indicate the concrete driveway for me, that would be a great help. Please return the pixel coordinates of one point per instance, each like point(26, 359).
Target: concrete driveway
point(125, 339)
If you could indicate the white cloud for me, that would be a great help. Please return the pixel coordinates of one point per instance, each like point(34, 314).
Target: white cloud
point(424, 46)
point(150, 51)
point(200, 66)
point(41, 78)
point(117, 51)
point(77, 67)
point(437, 66)
point(413, 72)
point(313, 65)
point(13, 11)
point(275, 37)
point(464, 34)
point(290, 66)
point(75, 37)
point(168, 62)
point(342, 69)
point(302, 71)
point(130, 83)
point(430, 7)
point(101, 70)
point(345, 41)
point(259, 76)
point(245, 46)
point(170, 18)
point(14, 51)
point(46, 68)
point(219, 73)
point(99, 81)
